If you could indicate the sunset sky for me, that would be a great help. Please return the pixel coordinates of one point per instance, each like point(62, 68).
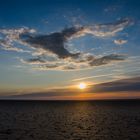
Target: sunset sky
point(47, 48)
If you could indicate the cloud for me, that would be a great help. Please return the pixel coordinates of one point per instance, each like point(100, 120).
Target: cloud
point(120, 42)
point(10, 37)
point(108, 29)
point(6, 45)
point(53, 42)
point(33, 61)
point(107, 59)
point(124, 88)
point(91, 77)
point(50, 51)
point(130, 84)
point(72, 64)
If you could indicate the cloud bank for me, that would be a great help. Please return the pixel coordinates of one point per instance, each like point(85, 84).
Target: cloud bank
point(50, 51)
point(127, 87)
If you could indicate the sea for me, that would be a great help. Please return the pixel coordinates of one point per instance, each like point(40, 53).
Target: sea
point(70, 120)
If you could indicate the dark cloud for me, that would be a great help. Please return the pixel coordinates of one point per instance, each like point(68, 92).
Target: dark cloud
point(107, 59)
point(36, 95)
point(131, 84)
point(54, 42)
point(55, 45)
point(37, 60)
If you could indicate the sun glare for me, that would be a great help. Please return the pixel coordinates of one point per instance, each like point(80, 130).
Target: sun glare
point(82, 86)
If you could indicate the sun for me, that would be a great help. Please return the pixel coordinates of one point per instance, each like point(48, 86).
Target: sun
point(82, 86)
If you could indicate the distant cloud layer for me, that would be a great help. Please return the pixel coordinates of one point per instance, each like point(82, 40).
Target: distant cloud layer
point(131, 84)
point(50, 51)
point(129, 87)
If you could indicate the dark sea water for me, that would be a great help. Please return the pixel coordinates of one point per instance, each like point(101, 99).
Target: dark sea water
point(70, 120)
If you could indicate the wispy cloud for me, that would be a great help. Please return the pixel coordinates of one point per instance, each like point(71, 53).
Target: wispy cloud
point(91, 77)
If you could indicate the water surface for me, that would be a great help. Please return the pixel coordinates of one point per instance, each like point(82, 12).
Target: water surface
point(70, 120)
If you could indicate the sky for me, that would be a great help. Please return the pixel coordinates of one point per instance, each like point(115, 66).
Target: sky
point(48, 47)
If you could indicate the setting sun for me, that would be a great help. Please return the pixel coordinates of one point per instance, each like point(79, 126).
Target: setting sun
point(82, 86)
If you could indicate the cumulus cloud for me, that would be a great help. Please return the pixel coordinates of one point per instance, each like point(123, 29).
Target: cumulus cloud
point(50, 51)
point(120, 41)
